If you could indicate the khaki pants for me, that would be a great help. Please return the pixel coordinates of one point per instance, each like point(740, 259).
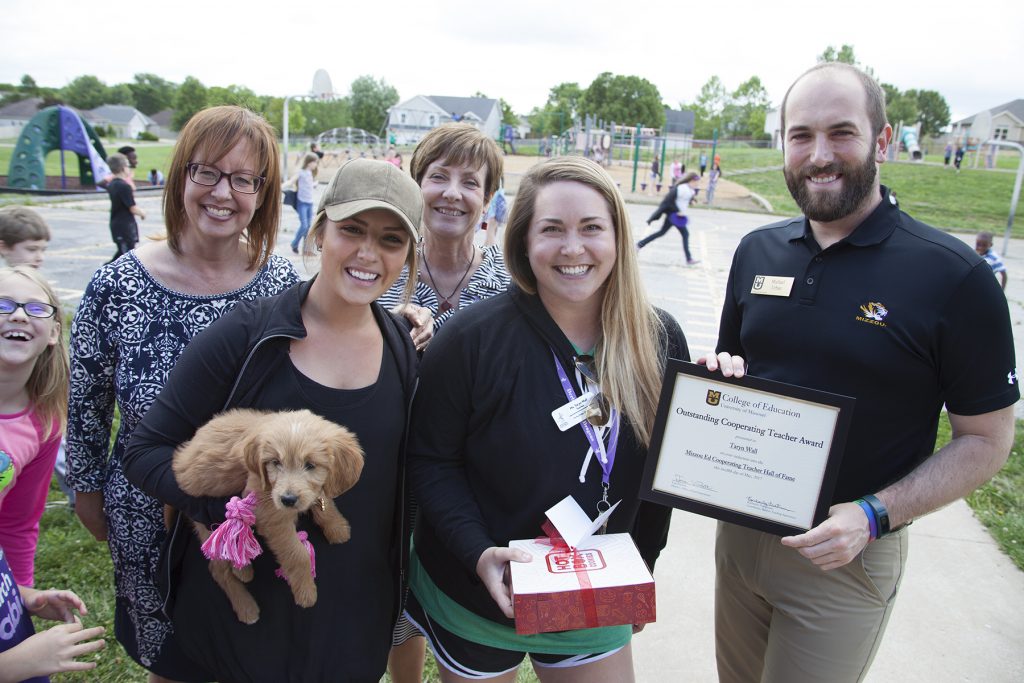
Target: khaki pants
point(780, 619)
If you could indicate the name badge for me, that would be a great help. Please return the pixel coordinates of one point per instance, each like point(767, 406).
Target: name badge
point(572, 413)
point(772, 285)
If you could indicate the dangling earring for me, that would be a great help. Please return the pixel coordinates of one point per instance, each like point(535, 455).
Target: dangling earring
point(319, 247)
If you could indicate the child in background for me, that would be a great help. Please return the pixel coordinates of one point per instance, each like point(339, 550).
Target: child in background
point(29, 656)
point(33, 409)
point(24, 236)
point(716, 173)
point(683, 194)
point(495, 217)
point(304, 181)
point(983, 245)
point(123, 210)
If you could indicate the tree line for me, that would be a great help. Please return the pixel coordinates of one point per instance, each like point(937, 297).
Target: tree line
point(629, 100)
point(737, 113)
point(365, 105)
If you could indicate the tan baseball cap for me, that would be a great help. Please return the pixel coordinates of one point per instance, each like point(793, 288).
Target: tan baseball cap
point(364, 184)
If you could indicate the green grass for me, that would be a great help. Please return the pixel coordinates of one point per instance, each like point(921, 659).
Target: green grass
point(970, 201)
point(1007, 159)
point(999, 504)
point(68, 557)
point(151, 155)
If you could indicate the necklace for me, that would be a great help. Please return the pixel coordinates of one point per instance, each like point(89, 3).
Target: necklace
point(446, 304)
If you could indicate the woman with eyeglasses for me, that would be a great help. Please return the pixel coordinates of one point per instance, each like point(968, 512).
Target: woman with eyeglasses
point(221, 209)
point(486, 457)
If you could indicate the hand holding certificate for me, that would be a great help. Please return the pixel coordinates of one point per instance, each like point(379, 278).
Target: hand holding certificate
point(750, 451)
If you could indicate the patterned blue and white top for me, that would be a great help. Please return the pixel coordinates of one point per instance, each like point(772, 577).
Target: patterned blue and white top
point(126, 336)
point(490, 278)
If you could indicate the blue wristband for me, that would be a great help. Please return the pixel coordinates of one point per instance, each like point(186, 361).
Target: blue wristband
point(870, 512)
point(881, 513)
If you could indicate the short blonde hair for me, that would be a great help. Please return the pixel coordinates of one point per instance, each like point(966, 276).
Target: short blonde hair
point(212, 133)
point(47, 385)
point(630, 357)
point(459, 143)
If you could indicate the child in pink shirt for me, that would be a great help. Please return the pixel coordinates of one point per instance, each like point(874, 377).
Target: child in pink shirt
point(33, 409)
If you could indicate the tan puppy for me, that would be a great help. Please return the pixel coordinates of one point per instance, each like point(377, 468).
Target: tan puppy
point(295, 461)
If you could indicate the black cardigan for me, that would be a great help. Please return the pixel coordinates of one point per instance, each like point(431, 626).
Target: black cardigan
point(485, 456)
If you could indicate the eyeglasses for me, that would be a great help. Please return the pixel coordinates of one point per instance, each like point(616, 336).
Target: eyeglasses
point(240, 181)
point(34, 309)
point(599, 411)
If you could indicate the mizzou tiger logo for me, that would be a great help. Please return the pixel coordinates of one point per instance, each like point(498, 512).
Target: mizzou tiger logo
point(713, 397)
point(873, 313)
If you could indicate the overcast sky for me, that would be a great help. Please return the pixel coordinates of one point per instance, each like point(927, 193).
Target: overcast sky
point(972, 53)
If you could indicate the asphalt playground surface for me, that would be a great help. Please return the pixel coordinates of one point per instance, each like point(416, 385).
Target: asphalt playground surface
point(960, 612)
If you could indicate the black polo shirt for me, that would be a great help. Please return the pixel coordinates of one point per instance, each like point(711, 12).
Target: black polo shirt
point(899, 315)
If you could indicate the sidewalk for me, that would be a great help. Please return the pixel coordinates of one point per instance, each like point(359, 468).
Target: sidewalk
point(959, 615)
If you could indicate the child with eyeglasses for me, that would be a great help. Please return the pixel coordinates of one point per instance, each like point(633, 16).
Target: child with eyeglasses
point(33, 408)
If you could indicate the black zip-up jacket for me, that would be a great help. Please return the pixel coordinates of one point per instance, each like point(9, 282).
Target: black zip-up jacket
point(224, 367)
point(667, 205)
point(486, 459)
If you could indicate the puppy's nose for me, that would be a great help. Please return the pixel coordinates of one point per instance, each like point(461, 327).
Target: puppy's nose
point(289, 500)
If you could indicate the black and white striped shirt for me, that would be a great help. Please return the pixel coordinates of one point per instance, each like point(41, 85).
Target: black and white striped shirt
point(490, 278)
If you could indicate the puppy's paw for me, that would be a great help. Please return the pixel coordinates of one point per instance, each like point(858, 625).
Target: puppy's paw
point(338, 533)
point(243, 574)
point(305, 594)
point(246, 609)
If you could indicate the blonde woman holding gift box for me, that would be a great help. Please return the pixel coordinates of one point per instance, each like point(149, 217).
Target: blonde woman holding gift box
point(486, 456)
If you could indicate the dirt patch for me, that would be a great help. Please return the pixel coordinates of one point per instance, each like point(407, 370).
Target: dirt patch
point(728, 195)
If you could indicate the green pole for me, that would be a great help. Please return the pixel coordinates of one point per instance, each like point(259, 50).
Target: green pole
point(714, 146)
point(636, 154)
point(664, 144)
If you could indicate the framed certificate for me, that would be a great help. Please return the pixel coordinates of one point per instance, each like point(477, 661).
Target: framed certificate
point(750, 451)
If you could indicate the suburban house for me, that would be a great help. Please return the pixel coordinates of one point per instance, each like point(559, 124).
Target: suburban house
point(125, 122)
point(163, 129)
point(122, 120)
point(773, 126)
point(1007, 123)
point(15, 115)
point(411, 119)
point(523, 128)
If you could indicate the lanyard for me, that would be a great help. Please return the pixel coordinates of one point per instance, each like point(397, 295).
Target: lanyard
point(606, 458)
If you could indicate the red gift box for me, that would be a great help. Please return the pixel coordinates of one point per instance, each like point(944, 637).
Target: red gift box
point(597, 581)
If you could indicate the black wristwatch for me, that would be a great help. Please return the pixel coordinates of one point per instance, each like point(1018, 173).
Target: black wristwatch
point(881, 513)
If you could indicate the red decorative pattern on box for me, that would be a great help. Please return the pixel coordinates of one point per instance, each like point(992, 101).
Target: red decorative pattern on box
point(560, 562)
point(565, 611)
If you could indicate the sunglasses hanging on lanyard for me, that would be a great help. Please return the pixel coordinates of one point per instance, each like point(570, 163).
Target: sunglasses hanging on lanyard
point(597, 420)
